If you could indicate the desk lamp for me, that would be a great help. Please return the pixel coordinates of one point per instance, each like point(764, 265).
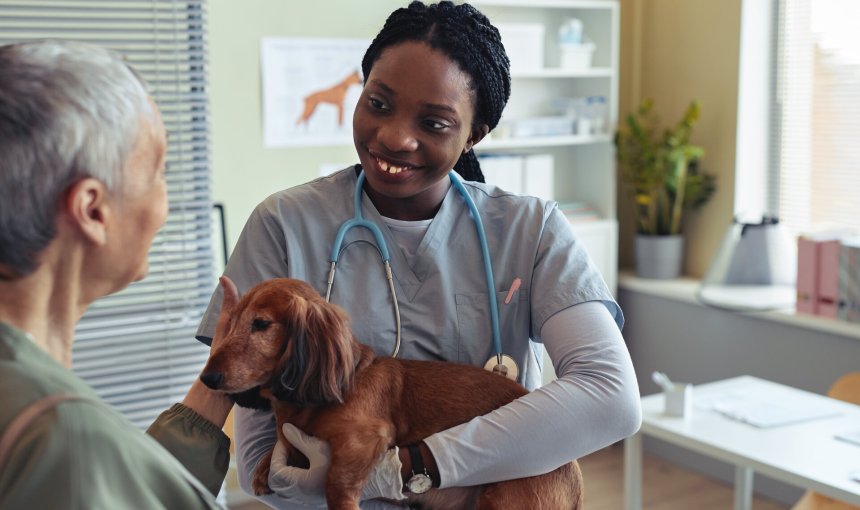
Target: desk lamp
point(755, 268)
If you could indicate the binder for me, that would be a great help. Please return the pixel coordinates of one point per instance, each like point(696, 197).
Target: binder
point(849, 281)
point(532, 174)
point(503, 170)
point(807, 279)
point(539, 176)
point(818, 275)
point(828, 278)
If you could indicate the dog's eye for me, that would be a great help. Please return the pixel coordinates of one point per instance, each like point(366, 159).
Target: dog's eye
point(260, 325)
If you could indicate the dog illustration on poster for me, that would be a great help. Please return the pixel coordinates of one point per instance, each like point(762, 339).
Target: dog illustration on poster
point(310, 89)
point(334, 95)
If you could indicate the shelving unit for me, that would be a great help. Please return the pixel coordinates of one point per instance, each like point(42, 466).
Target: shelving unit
point(543, 141)
point(584, 163)
point(594, 72)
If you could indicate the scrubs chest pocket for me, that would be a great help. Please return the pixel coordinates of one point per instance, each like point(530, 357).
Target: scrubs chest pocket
point(475, 334)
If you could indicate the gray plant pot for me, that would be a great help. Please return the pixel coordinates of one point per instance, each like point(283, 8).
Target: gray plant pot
point(659, 256)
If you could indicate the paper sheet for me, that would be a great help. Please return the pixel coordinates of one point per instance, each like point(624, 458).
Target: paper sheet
point(761, 412)
point(850, 437)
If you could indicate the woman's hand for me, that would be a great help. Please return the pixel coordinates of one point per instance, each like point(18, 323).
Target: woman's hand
point(307, 486)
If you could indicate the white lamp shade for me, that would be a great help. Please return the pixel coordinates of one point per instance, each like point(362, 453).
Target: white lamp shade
point(754, 269)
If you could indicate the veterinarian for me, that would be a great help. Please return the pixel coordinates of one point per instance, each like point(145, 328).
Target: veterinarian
point(82, 194)
point(436, 81)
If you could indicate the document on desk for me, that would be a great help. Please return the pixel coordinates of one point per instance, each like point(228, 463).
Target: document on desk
point(850, 437)
point(764, 413)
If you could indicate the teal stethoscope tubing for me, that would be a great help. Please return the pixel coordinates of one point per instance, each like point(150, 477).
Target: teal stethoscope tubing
point(358, 221)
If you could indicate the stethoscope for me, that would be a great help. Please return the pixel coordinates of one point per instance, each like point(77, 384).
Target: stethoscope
point(500, 363)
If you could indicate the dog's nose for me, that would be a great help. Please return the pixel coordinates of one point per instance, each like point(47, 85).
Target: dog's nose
point(212, 379)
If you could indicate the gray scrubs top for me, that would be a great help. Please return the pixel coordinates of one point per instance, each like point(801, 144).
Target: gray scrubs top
point(441, 289)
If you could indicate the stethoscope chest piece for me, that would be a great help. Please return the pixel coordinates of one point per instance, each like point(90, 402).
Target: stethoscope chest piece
point(507, 367)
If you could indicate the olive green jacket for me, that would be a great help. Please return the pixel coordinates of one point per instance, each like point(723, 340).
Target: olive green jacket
point(83, 454)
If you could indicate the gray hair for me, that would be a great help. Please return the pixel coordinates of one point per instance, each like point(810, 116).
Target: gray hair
point(68, 111)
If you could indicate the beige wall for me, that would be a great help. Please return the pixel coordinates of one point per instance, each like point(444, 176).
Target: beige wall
point(674, 51)
point(243, 171)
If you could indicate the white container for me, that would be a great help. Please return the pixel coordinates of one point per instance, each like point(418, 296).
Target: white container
point(576, 56)
point(570, 32)
point(679, 400)
point(542, 126)
point(523, 43)
point(597, 111)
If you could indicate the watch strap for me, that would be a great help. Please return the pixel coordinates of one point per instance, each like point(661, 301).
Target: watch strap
point(416, 460)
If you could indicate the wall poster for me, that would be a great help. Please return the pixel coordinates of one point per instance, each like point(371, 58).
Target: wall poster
point(310, 88)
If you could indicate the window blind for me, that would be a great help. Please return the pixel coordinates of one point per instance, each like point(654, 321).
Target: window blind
point(814, 174)
point(137, 347)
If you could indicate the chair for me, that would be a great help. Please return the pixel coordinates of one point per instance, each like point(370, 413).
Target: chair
point(846, 388)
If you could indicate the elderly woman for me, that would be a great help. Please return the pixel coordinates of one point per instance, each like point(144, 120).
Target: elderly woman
point(82, 194)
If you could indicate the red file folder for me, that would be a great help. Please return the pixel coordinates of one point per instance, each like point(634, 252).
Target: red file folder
point(818, 276)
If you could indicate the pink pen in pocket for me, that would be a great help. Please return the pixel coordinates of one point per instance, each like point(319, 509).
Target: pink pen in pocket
point(515, 286)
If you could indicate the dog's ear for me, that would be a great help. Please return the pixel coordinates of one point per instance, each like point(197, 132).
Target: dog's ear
point(318, 364)
point(292, 367)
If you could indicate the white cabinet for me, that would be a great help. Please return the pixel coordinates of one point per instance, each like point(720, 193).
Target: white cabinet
point(584, 158)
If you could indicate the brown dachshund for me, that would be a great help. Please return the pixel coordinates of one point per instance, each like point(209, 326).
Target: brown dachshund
point(283, 338)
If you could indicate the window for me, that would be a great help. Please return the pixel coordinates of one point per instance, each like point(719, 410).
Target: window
point(137, 347)
point(799, 113)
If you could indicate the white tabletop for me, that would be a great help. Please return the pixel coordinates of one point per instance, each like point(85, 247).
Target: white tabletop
point(805, 453)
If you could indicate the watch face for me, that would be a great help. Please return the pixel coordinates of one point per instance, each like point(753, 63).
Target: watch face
point(419, 484)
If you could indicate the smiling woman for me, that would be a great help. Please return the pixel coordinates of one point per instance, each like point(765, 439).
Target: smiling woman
point(437, 81)
point(411, 126)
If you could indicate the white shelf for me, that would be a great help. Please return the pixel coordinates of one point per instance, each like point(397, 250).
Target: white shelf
point(548, 4)
point(584, 165)
point(594, 72)
point(685, 290)
point(541, 141)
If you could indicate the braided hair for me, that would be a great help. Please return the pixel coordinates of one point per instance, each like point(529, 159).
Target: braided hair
point(466, 36)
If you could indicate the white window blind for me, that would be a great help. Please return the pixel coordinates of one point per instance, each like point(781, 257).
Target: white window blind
point(137, 347)
point(814, 174)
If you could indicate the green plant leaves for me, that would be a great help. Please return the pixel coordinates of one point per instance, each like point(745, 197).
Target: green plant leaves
point(662, 170)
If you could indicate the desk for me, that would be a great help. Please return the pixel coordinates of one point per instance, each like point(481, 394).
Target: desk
point(803, 454)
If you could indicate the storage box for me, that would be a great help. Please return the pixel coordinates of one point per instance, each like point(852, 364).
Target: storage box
point(503, 170)
point(525, 174)
point(539, 176)
point(523, 43)
point(542, 126)
point(576, 56)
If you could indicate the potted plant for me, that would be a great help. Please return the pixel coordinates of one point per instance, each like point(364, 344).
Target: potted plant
point(661, 172)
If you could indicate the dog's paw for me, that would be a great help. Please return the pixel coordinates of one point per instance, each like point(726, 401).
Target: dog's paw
point(262, 491)
point(261, 488)
point(260, 482)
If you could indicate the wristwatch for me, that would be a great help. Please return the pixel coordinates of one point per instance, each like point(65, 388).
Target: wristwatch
point(420, 481)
